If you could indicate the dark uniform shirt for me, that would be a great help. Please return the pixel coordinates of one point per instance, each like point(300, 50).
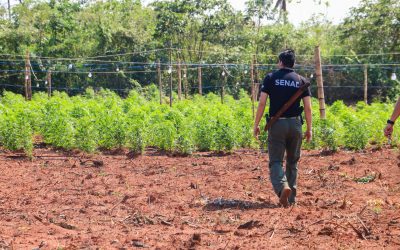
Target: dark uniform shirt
point(280, 86)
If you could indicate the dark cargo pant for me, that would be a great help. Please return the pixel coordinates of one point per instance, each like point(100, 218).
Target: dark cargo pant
point(284, 135)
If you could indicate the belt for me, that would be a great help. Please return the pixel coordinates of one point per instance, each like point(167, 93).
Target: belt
point(287, 118)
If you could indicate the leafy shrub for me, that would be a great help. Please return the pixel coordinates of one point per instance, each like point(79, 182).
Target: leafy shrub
point(57, 126)
point(86, 135)
point(104, 120)
point(16, 132)
point(204, 134)
point(163, 135)
point(329, 136)
point(135, 139)
point(356, 135)
point(225, 135)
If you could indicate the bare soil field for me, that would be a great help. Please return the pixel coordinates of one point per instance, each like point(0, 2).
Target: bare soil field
point(61, 200)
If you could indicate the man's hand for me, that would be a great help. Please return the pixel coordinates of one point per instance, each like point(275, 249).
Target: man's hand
point(308, 135)
point(256, 131)
point(388, 130)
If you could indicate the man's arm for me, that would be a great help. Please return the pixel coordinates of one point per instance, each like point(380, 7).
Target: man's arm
point(308, 114)
point(396, 112)
point(260, 112)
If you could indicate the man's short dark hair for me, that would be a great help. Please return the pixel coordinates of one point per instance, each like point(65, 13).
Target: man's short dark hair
point(287, 57)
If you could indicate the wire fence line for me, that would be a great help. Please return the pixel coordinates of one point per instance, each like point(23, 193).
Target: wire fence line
point(143, 52)
point(175, 63)
point(217, 87)
point(341, 81)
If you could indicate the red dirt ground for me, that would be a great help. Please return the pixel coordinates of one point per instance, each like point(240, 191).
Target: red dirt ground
point(61, 201)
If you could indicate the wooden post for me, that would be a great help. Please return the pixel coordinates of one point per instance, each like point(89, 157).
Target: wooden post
point(185, 77)
point(252, 86)
point(256, 85)
point(179, 81)
point(9, 10)
point(224, 74)
point(366, 84)
point(26, 77)
point(170, 77)
point(199, 75)
point(159, 80)
point(28, 83)
point(49, 82)
point(320, 83)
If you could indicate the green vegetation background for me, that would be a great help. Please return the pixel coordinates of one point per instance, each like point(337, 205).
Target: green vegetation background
point(207, 31)
point(103, 120)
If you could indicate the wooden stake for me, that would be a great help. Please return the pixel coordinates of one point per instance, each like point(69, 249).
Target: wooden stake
point(252, 79)
point(179, 81)
point(170, 77)
point(26, 77)
point(9, 10)
point(28, 83)
point(199, 75)
point(159, 80)
point(366, 84)
point(185, 77)
point(49, 83)
point(224, 73)
point(252, 86)
point(256, 81)
point(320, 83)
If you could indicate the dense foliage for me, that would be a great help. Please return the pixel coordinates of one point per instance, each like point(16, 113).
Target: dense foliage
point(114, 44)
point(99, 121)
point(206, 31)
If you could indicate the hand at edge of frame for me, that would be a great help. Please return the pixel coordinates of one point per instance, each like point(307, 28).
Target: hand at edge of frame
point(388, 130)
point(256, 131)
point(308, 135)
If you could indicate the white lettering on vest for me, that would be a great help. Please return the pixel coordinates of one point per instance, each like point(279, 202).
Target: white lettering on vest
point(288, 83)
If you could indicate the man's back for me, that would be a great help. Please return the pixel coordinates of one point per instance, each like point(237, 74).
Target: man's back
point(280, 86)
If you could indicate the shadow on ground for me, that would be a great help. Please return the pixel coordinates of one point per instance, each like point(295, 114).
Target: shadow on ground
point(221, 203)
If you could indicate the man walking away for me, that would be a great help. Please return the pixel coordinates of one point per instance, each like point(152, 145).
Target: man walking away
point(286, 133)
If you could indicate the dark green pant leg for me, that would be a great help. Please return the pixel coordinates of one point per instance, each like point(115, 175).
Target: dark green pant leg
point(276, 151)
point(293, 148)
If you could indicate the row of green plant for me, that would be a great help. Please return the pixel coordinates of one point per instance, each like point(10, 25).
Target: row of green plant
point(103, 120)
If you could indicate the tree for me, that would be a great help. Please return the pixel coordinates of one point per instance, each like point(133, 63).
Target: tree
point(373, 27)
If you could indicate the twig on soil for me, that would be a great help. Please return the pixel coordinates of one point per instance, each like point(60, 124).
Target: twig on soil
point(48, 184)
point(336, 224)
point(74, 164)
point(319, 221)
point(273, 229)
point(8, 164)
point(66, 226)
point(191, 225)
point(126, 197)
point(362, 210)
point(127, 217)
point(38, 218)
point(365, 228)
point(166, 223)
point(357, 231)
point(272, 234)
point(227, 244)
point(95, 163)
point(250, 224)
point(395, 218)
